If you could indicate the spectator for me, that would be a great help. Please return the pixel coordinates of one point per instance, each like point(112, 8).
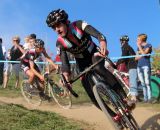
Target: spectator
point(33, 36)
point(144, 66)
point(27, 45)
point(131, 65)
point(16, 53)
point(2, 57)
point(7, 70)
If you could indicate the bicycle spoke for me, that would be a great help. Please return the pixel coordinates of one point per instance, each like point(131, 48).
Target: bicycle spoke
point(31, 95)
point(61, 96)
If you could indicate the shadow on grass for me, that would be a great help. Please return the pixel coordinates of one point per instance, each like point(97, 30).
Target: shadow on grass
point(152, 123)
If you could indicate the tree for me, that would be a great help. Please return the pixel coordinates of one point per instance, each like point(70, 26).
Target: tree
point(156, 59)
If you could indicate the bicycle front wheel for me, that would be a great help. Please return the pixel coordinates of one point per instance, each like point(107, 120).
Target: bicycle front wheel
point(31, 95)
point(106, 96)
point(103, 101)
point(61, 96)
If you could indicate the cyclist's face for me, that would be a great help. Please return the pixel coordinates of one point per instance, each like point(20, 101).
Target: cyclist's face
point(39, 49)
point(61, 29)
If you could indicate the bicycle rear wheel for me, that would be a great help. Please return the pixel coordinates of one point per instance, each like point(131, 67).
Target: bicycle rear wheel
point(61, 96)
point(108, 97)
point(31, 95)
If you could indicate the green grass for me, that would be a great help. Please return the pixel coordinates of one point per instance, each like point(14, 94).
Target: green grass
point(83, 97)
point(10, 91)
point(15, 117)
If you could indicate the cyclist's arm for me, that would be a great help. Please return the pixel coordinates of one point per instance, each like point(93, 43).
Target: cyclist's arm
point(31, 63)
point(49, 59)
point(65, 67)
point(90, 30)
point(95, 33)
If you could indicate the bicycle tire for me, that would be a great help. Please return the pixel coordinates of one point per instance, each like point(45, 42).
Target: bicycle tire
point(127, 116)
point(61, 96)
point(127, 120)
point(102, 105)
point(31, 97)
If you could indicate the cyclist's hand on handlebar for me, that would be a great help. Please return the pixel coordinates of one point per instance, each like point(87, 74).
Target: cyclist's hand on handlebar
point(41, 78)
point(103, 48)
point(63, 84)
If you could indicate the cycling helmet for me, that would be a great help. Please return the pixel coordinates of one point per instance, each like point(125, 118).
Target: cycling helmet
point(124, 38)
point(39, 43)
point(56, 16)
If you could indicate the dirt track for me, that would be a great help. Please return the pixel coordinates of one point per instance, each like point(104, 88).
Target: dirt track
point(147, 118)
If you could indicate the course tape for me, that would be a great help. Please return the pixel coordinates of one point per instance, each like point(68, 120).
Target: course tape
point(72, 62)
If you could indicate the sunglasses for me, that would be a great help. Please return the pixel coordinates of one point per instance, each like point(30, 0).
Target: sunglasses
point(15, 40)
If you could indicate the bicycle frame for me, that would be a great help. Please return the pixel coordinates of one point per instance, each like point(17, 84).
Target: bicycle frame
point(116, 73)
point(77, 77)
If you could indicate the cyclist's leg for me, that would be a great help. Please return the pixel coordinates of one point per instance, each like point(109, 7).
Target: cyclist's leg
point(29, 73)
point(40, 85)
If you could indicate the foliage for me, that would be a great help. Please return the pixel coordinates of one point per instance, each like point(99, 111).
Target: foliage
point(156, 59)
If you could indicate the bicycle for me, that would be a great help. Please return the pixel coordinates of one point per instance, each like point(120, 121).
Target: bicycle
point(106, 96)
point(59, 93)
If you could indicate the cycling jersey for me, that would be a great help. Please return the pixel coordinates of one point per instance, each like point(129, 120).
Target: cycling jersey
point(30, 55)
point(78, 41)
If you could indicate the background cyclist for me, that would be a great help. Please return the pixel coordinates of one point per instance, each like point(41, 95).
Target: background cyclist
point(30, 68)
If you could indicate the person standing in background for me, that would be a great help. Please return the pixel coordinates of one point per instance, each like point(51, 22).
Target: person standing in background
point(27, 45)
point(7, 70)
point(16, 52)
point(2, 57)
point(144, 65)
point(131, 65)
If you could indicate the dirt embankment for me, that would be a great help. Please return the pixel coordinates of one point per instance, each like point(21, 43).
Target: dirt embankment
point(147, 118)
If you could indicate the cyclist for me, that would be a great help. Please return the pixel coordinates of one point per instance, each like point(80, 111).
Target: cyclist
point(31, 69)
point(76, 38)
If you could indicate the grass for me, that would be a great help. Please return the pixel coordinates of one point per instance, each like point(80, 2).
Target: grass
point(10, 91)
point(83, 97)
point(15, 117)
